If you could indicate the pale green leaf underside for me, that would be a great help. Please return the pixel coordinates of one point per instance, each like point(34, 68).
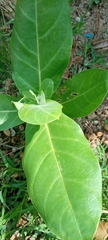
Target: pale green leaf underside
point(8, 115)
point(41, 42)
point(82, 94)
point(40, 114)
point(64, 179)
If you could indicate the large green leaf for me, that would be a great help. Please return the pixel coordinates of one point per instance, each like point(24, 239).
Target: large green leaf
point(8, 115)
point(30, 131)
point(41, 42)
point(82, 94)
point(64, 179)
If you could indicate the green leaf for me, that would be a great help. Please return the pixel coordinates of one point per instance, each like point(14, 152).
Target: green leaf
point(82, 94)
point(8, 115)
point(29, 95)
point(41, 42)
point(64, 179)
point(40, 114)
point(47, 87)
point(30, 131)
point(18, 105)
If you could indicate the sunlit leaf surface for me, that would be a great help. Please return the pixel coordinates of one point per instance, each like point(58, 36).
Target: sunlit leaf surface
point(64, 179)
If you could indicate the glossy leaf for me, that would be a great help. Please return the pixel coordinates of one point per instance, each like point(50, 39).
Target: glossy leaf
point(41, 42)
point(8, 114)
point(82, 94)
point(64, 179)
point(40, 114)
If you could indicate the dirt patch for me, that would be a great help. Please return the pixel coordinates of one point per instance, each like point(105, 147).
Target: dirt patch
point(96, 17)
point(95, 126)
point(95, 20)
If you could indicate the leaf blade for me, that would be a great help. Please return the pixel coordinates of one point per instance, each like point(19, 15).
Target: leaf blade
point(59, 177)
point(42, 49)
point(8, 115)
point(82, 94)
point(40, 114)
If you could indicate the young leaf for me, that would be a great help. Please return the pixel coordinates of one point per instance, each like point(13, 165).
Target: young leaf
point(29, 95)
point(41, 42)
point(8, 115)
point(64, 179)
point(47, 87)
point(40, 114)
point(82, 94)
point(18, 105)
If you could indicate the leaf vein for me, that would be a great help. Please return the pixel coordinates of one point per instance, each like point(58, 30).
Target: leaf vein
point(27, 49)
point(23, 61)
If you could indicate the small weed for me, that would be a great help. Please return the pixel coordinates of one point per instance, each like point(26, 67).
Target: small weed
point(91, 57)
point(78, 27)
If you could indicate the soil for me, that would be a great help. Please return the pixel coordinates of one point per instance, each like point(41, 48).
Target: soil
point(95, 126)
point(7, 9)
point(96, 18)
point(95, 23)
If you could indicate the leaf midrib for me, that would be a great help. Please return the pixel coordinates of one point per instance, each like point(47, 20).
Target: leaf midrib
point(51, 144)
point(37, 39)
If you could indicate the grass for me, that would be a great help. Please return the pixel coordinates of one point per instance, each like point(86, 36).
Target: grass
point(100, 152)
point(5, 63)
point(17, 212)
point(18, 215)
